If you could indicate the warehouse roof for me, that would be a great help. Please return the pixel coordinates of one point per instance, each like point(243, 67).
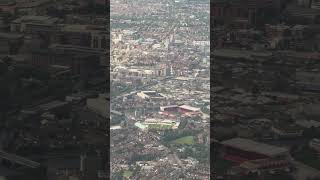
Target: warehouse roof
point(252, 146)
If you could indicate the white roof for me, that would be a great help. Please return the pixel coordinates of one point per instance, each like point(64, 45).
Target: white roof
point(169, 106)
point(140, 125)
point(115, 127)
point(152, 120)
point(190, 108)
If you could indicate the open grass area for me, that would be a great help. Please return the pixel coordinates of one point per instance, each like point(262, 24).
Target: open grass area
point(308, 157)
point(127, 173)
point(188, 140)
point(159, 127)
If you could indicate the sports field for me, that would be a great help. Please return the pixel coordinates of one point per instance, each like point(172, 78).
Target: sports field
point(188, 140)
point(159, 126)
point(127, 173)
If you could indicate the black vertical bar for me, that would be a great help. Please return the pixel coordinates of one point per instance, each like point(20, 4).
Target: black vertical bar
point(108, 83)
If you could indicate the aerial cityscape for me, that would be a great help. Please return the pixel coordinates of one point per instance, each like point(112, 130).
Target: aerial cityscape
point(265, 89)
point(160, 89)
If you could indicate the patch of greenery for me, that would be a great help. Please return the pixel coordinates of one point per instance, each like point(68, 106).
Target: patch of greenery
point(171, 135)
point(142, 157)
point(188, 140)
point(159, 126)
point(127, 173)
point(198, 151)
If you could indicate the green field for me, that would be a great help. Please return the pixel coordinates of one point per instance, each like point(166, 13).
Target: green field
point(189, 140)
point(127, 173)
point(159, 127)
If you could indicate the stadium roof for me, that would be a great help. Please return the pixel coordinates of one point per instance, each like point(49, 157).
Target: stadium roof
point(140, 125)
point(252, 146)
point(190, 108)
